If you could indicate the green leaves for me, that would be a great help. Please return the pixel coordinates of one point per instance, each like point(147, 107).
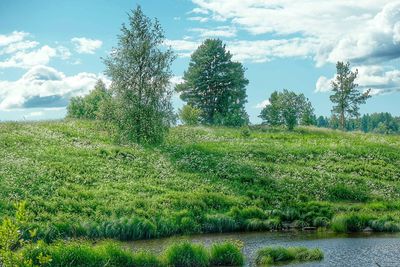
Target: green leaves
point(140, 71)
point(289, 109)
point(216, 85)
point(346, 97)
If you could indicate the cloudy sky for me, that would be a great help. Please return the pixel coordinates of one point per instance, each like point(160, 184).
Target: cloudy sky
point(52, 50)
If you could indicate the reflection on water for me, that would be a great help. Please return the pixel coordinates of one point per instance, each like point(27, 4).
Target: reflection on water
point(353, 250)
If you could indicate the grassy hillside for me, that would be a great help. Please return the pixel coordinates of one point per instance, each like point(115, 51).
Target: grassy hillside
point(78, 182)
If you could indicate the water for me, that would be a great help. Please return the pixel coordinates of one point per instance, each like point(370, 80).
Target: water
point(353, 250)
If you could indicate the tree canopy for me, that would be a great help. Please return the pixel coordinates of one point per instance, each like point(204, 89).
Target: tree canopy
point(289, 109)
point(346, 97)
point(216, 85)
point(140, 71)
point(89, 106)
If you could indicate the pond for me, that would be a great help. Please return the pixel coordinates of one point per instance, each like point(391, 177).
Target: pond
point(355, 250)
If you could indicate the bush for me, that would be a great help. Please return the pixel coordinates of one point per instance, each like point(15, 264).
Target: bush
point(189, 115)
point(271, 255)
point(89, 106)
point(186, 255)
point(226, 254)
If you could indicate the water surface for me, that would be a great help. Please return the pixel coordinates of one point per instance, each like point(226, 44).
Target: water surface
point(355, 250)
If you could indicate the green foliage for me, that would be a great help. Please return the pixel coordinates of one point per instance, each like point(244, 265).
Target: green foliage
point(350, 222)
point(12, 238)
point(341, 192)
point(146, 259)
point(216, 85)
point(89, 106)
point(346, 97)
point(189, 115)
point(289, 109)
point(140, 71)
point(273, 255)
point(245, 131)
point(226, 254)
point(322, 122)
point(383, 123)
point(84, 254)
point(202, 179)
point(187, 255)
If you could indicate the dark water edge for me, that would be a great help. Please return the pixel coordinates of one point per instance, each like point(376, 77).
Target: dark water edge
point(353, 250)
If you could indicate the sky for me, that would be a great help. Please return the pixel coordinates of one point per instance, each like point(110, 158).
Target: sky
point(52, 50)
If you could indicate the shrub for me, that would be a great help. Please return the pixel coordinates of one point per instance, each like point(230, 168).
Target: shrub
point(189, 115)
point(186, 255)
point(88, 107)
point(270, 255)
point(226, 254)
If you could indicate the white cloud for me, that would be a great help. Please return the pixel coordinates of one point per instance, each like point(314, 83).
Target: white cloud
point(63, 52)
point(198, 11)
point(184, 48)
point(199, 19)
point(355, 30)
point(222, 31)
point(375, 77)
point(20, 53)
point(44, 86)
point(12, 38)
point(254, 51)
point(262, 104)
point(23, 59)
point(323, 84)
point(176, 80)
point(18, 46)
point(85, 45)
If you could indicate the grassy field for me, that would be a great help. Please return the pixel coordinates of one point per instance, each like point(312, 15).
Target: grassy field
point(78, 182)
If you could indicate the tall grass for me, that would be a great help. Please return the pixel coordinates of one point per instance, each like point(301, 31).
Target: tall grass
point(80, 183)
point(273, 255)
point(350, 222)
point(187, 255)
point(226, 254)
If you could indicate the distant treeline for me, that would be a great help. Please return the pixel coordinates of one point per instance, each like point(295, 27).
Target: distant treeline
point(383, 123)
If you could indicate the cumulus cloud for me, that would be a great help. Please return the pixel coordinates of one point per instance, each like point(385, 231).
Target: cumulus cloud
point(85, 45)
point(18, 46)
point(23, 59)
point(17, 52)
point(262, 104)
point(12, 38)
point(375, 77)
point(362, 31)
point(43, 86)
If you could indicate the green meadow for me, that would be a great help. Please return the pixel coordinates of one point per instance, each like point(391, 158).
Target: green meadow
point(79, 182)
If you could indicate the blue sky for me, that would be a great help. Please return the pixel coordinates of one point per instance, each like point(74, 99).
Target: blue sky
point(51, 50)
